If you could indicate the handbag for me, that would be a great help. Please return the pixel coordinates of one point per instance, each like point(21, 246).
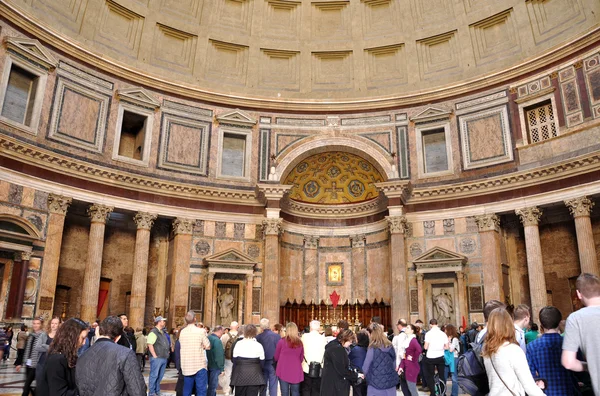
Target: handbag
point(314, 369)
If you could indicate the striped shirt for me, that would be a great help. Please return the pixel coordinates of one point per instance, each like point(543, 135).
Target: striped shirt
point(194, 342)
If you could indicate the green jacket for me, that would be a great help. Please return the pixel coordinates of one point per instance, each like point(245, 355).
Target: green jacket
point(216, 353)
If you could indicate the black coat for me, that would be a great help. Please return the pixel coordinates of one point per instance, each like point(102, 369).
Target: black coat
point(58, 378)
point(128, 341)
point(108, 369)
point(336, 374)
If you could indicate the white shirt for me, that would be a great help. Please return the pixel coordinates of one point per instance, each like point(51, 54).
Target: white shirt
point(520, 335)
point(248, 348)
point(399, 346)
point(314, 348)
point(436, 340)
point(511, 365)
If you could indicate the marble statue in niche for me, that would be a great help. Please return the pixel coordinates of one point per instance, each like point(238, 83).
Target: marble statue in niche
point(226, 303)
point(443, 307)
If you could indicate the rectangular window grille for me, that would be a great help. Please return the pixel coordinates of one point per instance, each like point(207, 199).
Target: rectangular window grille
point(541, 123)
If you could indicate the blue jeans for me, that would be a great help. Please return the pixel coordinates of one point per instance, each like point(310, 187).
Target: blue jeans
point(213, 381)
point(201, 380)
point(454, 378)
point(288, 389)
point(157, 371)
point(270, 379)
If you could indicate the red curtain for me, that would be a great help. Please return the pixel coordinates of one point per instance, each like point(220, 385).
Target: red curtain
point(101, 300)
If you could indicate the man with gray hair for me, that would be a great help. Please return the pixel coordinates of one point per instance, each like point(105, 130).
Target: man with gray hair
point(314, 349)
point(227, 340)
point(193, 342)
point(268, 339)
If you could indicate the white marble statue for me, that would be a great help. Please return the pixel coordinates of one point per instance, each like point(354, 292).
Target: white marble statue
point(226, 303)
point(443, 307)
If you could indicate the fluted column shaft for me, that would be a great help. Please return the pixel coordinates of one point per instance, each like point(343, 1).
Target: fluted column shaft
point(248, 308)
point(535, 266)
point(399, 276)
point(93, 267)
point(139, 278)
point(208, 301)
point(57, 208)
point(580, 209)
point(180, 275)
point(270, 287)
point(421, 293)
point(489, 234)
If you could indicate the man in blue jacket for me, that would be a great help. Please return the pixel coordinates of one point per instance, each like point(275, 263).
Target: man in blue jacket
point(268, 339)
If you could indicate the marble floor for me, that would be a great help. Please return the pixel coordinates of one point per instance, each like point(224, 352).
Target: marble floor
point(11, 382)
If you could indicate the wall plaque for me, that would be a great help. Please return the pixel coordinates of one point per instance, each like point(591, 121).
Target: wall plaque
point(46, 303)
point(475, 298)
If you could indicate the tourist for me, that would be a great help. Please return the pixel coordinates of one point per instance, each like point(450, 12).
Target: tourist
point(216, 360)
point(329, 334)
point(472, 335)
point(227, 340)
point(409, 366)
point(52, 329)
point(532, 334)
point(379, 367)
point(337, 373)
point(32, 353)
point(357, 356)
point(3, 340)
point(436, 342)
point(140, 348)
point(581, 332)
point(487, 310)
point(58, 377)
point(420, 334)
point(453, 348)
point(504, 360)
point(521, 318)
point(9, 338)
point(172, 337)
point(268, 339)
point(194, 342)
point(314, 348)
point(544, 354)
point(279, 329)
point(399, 341)
point(289, 355)
point(158, 346)
point(127, 339)
point(248, 356)
point(21, 340)
point(120, 375)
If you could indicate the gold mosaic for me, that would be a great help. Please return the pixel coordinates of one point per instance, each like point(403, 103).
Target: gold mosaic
point(333, 178)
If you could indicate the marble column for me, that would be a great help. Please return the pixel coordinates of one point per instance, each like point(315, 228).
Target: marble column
point(421, 293)
point(91, 278)
point(248, 308)
point(461, 278)
point(489, 234)
point(311, 268)
point(208, 300)
point(180, 275)
point(161, 273)
point(359, 268)
point(581, 208)
point(530, 218)
point(270, 287)
point(57, 210)
point(399, 276)
point(139, 279)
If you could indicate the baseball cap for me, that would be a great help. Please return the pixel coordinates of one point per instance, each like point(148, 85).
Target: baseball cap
point(158, 319)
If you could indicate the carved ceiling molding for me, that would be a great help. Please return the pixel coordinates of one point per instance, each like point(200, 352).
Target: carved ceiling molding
point(343, 211)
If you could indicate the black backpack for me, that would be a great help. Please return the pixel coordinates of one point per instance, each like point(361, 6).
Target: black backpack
point(472, 377)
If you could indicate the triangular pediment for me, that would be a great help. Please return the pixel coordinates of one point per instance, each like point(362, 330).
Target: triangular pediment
point(438, 260)
point(439, 254)
point(139, 97)
point(31, 50)
point(430, 114)
point(230, 255)
point(237, 118)
point(230, 261)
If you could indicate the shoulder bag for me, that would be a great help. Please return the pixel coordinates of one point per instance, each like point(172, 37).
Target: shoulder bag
point(498, 374)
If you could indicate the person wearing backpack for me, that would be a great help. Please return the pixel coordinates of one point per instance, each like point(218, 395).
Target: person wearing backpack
point(380, 364)
point(228, 339)
point(454, 350)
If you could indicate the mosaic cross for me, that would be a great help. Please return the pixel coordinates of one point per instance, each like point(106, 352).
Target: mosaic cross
point(334, 190)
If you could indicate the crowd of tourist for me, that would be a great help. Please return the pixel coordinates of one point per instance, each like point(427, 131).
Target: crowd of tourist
point(500, 357)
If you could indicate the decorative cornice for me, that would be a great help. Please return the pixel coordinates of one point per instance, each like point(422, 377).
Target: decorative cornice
point(395, 189)
point(143, 220)
point(273, 191)
point(58, 204)
point(31, 50)
point(272, 226)
point(397, 224)
point(529, 216)
point(342, 211)
point(236, 118)
point(431, 114)
point(580, 207)
point(358, 241)
point(182, 226)
point(311, 242)
point(138, 97)
point(488, 222)
point(99, 213)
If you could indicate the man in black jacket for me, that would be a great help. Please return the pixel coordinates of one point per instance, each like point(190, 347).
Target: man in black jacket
point(109, 369)
point(128, 336)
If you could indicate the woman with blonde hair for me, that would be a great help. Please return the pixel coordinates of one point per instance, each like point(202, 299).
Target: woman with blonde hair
point(288, 355)
point(505, 362)
point(380, 364)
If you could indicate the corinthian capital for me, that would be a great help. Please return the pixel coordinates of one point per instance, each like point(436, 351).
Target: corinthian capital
point(99, 213)
point(529, 216)
point(183, 226)
point(311, 242)
point(144, 220)
point(58, 204)
point(397, 224)
point(358, 241)
point(488, 222)
point(272, 226)
point(579, 207)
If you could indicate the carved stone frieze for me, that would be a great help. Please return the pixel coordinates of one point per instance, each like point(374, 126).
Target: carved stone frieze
point(581, 206)
point(182, 226)
point(358, 241)
point(272, 226)
point(488, 222)
point(397, 224)
point(311, 242)
point(99, 213)
point(144, 220)
point(529, 216)
point(58, 204)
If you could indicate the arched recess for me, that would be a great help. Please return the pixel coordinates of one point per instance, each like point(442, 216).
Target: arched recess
point(375, 156)
point(18, 228)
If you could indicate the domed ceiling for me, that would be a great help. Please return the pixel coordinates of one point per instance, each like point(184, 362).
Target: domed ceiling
point(333, 178)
